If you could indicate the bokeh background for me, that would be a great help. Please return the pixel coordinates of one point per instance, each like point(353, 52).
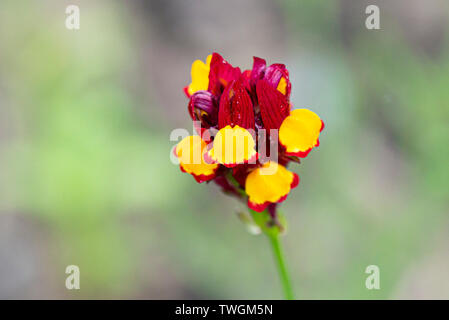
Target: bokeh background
point(85, 175)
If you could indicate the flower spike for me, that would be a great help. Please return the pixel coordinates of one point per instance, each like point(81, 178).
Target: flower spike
point(232, 107)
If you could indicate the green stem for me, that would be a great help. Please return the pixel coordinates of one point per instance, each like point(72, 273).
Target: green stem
point(282, 269)
point(235, 183)
point(265, 222)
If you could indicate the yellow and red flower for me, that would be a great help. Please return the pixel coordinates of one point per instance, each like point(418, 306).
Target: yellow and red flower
point(233, 108)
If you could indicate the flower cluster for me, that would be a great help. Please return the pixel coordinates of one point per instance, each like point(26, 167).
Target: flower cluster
point(233, 112)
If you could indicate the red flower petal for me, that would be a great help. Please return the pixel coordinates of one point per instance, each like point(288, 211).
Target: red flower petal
point(274, 74)
point(295, 181)
point(274, 106)
point(257, 71)
point(203, 107)
point(258, 207)
point(200, 178)
point(221, 74)
point(301, 154)
point(236, 107)
point(186, 91)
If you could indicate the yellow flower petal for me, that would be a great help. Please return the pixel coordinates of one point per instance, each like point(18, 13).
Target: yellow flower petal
point(233, 145)
point(269, 184)
point(190, 152)
point(200, 75)
point(282, 86)
point(299, 132)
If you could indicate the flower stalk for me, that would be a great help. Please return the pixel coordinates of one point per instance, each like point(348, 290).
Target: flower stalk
point(281, 266)
point(272, 227)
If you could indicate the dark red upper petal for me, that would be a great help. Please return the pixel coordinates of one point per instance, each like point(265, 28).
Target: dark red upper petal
point(273, 75)
point(257, 71)
point(236, 107)
point(274, 106)
point(203, 106)
point(221, 74)
point(224, 110)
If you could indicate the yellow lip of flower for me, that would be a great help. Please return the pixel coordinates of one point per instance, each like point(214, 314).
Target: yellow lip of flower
point(200, 75)
point(190, 152)
point(232, 146)
point(299, 132)
point(270, 183)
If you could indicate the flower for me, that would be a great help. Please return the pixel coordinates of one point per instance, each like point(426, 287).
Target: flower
point(189, 148)
point(236, 115)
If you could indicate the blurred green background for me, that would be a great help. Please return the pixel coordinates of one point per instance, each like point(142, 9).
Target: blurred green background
point(85, 171)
